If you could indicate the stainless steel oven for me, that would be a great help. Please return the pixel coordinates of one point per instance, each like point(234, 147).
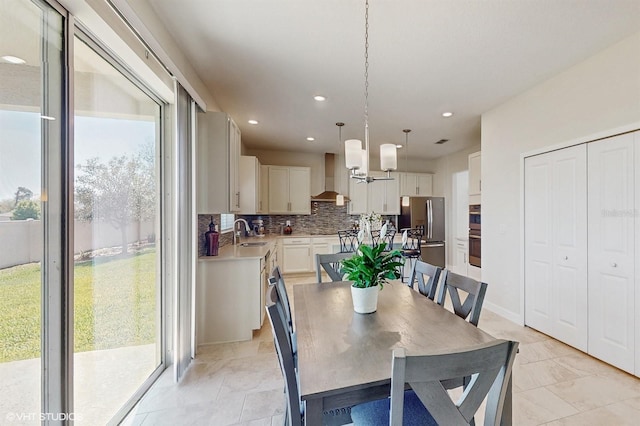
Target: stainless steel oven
point(475, 235)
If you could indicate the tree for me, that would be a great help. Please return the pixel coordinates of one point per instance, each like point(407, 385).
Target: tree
point(119, 192)
point(26, 209)
point(22, 194)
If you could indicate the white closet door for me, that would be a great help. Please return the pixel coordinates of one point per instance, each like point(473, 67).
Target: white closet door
point(611, 250)
point(556, 244)
point(637, 249)
point(538, 244)
point(569, 214)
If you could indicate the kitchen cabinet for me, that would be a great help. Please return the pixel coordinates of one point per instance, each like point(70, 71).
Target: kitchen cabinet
point(380, 196)
point(250, 185)
point(416, 184)
point(612, 218)
point(556, 244)
point(230, 299)
point(264, 189)
point(299, 253)
point(296, 253)
point(289, 190)
point(475, 178)
point(461, 258)
point(218, 154)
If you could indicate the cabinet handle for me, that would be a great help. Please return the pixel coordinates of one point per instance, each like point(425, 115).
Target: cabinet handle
point(237, 199)
point(614, 265)
point(417, 190)
point(566, 258)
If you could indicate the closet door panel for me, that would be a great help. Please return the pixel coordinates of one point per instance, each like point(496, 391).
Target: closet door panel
point(570, 245)
point(538, 243)
point(611, 250)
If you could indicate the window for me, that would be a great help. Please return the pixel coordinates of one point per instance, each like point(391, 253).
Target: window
point(226, 222)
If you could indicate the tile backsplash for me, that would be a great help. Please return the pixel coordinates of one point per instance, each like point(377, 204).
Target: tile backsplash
point(325, 219)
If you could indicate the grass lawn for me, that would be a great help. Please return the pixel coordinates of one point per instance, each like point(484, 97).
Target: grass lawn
point(114, 305)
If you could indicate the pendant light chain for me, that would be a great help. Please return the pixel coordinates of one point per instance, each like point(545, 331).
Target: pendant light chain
point(366, 77)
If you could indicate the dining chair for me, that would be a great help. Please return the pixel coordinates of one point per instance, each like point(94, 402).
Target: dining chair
point(428, 403)
point(453, 284)
point(294, 415)
point(411, 245)
point(276, 282)
point(332, 264)
point(349, 242)
point(419, 271)
point(388, 238)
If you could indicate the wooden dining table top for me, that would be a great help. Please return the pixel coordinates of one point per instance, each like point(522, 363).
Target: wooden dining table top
point(341, 351)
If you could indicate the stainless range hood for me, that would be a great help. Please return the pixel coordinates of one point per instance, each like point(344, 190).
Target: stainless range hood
point(329, 195)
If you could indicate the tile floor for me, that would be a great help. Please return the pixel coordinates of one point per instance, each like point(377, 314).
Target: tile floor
point(241, 384)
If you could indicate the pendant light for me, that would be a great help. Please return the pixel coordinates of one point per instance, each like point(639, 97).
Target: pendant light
point(340, 199)
point(405, 198)
point(356, 158)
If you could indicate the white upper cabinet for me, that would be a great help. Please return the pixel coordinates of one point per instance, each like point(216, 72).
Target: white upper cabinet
point(475, 178)
point(289, 190)
point(416, 184)
point(250, 185)
point(611, 250)
point(218, 154)
point(264, 189)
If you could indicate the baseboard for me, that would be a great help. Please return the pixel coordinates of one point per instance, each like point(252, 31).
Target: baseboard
point(504, 313)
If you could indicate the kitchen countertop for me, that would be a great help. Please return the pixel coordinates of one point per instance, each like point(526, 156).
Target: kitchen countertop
point(237, 252)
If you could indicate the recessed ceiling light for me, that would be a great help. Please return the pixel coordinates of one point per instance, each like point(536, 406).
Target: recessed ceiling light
point(319, 98)
point(253, 121)
point(14, 59)
point(447, 114)
point(398, 146)
point(310, 139)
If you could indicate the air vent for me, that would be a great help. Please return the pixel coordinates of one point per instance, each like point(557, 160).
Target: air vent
point(441, 141)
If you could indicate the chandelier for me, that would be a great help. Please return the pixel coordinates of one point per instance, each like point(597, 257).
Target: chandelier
point(356, 158)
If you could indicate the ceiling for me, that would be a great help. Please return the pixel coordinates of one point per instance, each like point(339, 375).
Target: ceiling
point(266, 59)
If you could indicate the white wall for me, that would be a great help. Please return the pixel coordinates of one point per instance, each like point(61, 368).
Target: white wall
point(593, 97)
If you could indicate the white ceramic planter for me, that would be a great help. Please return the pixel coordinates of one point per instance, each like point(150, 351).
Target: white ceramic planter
point(365, 300)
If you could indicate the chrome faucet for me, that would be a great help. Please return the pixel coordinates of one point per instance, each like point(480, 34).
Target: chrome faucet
point(236, 235)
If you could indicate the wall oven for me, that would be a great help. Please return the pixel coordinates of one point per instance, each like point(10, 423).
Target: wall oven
point(475, 235)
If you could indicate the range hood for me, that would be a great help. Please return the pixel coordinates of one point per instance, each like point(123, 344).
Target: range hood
point(329, 195)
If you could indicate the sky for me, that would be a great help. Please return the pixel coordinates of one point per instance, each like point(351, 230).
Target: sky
point(20, 151)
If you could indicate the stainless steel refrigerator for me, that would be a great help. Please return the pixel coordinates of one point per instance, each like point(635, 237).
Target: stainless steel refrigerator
point(428, 214)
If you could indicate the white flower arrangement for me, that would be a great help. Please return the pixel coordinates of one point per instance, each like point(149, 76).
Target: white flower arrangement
point(370, 221)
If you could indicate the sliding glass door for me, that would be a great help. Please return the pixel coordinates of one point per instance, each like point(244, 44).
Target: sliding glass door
point(117, 290)
point(31, 139)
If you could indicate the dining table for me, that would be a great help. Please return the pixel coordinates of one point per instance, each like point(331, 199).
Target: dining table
point(344, 358)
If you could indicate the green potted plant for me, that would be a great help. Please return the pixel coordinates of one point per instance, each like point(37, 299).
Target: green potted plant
point(369, 269)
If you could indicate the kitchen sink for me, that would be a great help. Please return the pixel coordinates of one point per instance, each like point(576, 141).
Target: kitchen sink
point(261, 243)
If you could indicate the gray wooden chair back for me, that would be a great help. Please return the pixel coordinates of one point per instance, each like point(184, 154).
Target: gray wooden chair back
point(419, 271)
point(453, 284)
point(332, 264)
point(281, 299)
point(488, 365)
point(293, 415)
point(348, 241)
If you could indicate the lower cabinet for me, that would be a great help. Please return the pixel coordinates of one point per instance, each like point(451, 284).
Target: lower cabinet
point(229, 299)
point(299, 254)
